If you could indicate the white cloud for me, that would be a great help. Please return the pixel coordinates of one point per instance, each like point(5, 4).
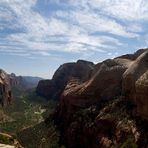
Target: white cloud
point(97, 23)
point(44, 53)
point(135, 27)
point(120, 9)
point(93, 22)
point(91, 26)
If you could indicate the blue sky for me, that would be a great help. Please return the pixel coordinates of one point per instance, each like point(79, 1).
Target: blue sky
point(36, 36)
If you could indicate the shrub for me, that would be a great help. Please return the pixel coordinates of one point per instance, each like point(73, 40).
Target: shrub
point(129, 144)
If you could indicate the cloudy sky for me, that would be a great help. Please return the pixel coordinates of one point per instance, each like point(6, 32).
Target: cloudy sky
point(36, 36)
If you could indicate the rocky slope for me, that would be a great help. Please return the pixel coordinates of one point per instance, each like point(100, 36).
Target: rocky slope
point(135, 84)
point(5, 88)
point(88, 107)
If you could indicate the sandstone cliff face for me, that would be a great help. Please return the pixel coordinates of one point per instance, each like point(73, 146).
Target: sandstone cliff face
point(125, 75)
point(104, 84)
point(105, 128)
point(45, 88)
point(135, 84)
point(52, 89)
point(80, 86)
point(5, 88)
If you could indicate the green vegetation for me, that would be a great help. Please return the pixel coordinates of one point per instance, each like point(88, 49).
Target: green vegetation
point(116, 110)
point(22, 113)
point(39, 136)
point(4, 140)
point(24, 119)
point(129, 143)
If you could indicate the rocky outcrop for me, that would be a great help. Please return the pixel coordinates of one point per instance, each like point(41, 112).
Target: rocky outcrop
point(52, 89)
point(123, 76)
point(135, 84)
point(133, 56)
point(104, 84)
point(82, 85)
point(5, 88)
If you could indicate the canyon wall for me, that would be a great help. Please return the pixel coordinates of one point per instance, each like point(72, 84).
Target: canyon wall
point(101, 105)
point(5, 88)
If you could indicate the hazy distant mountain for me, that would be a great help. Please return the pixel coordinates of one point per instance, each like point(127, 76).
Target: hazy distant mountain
point(32, 80)
point(24, 82)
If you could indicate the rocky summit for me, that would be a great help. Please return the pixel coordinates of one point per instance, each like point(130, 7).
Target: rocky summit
point(52, 89)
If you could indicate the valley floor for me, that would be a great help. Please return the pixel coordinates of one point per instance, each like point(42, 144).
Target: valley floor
point(24, 121)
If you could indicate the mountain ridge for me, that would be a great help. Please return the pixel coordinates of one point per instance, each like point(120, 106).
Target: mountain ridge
point(85, 94)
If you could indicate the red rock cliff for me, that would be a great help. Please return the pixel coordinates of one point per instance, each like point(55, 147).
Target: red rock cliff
point(135, 84)
point(52, 89)
point(83, 85)
point(5, 88)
